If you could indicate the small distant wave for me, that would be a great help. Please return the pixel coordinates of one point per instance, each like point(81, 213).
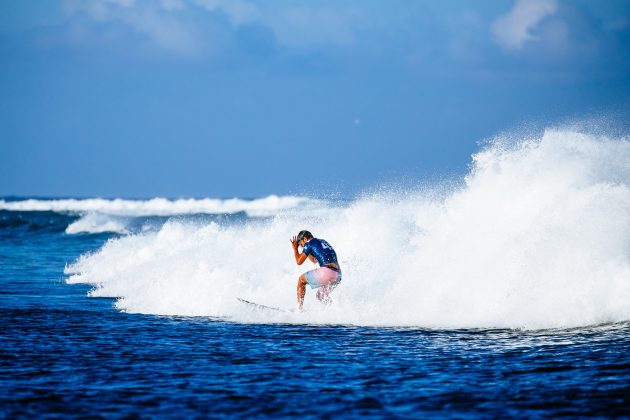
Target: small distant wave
point(99, 215)
point(262, 207)
point(98, 223)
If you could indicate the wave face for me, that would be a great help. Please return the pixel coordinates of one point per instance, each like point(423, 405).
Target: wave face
point(537, 235)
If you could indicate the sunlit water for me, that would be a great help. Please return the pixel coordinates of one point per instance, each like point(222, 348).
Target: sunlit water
point(505, 294)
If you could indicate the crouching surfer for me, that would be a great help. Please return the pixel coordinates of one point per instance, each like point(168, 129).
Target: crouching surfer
point(326, 277)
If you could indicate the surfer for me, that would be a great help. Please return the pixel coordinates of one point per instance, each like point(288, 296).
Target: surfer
point(326, 277)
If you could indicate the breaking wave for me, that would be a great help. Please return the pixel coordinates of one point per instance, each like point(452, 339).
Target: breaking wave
point(261, 207)
point(537, 235)
point(98, 223)
point(99, 215)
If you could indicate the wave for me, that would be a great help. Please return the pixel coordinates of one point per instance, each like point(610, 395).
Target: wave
point(92, 222)
point(97, 215)
point(98, 223)
point(537, 235)
point(262, 207)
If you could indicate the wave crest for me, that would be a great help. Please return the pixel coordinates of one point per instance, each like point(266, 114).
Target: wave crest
point(262, 207)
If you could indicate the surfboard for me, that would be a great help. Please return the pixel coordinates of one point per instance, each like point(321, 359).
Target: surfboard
point(263, 307)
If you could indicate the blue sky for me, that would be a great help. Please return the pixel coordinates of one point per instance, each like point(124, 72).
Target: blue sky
point(222, 98)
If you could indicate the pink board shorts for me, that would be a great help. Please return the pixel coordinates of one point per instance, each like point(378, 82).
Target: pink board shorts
point(323, 277)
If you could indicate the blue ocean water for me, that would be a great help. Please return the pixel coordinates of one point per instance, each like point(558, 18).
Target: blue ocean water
point(63, 354)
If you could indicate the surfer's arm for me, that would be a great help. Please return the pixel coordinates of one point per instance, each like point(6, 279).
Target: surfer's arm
point(300, 257)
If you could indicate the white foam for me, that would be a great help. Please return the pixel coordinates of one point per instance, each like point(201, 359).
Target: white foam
point(97, 223)
point(267, 206)
point(537, 237)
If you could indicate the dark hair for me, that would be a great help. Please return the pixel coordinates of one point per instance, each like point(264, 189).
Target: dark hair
point(304, 234)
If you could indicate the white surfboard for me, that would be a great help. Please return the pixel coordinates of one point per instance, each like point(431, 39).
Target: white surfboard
point(264, 307)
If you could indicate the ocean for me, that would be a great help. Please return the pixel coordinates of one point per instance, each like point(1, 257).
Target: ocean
point(503, 293)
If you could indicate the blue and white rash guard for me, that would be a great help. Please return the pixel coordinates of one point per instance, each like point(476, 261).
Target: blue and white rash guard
point(322, 251)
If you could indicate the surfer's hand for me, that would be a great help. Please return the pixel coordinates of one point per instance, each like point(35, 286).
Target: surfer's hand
point(294, 242)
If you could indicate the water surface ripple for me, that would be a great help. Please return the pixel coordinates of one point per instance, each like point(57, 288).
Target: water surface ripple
point(77, 362)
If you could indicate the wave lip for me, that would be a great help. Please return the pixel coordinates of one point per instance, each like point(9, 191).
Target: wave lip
point(261, 207)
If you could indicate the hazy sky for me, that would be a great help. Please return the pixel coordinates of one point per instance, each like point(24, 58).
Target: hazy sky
point(222, 98)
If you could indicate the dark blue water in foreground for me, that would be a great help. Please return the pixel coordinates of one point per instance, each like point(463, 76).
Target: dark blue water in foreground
point(65, 355)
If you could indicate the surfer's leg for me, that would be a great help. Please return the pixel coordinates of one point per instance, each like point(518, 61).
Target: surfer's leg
point(328, 280)
point(301, 290)
point(320, 278)
point(323, 294)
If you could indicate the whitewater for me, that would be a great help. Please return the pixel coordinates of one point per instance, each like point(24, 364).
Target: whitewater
point(535, 236)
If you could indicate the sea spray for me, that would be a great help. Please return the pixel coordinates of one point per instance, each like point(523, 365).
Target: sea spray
point(537, 236)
